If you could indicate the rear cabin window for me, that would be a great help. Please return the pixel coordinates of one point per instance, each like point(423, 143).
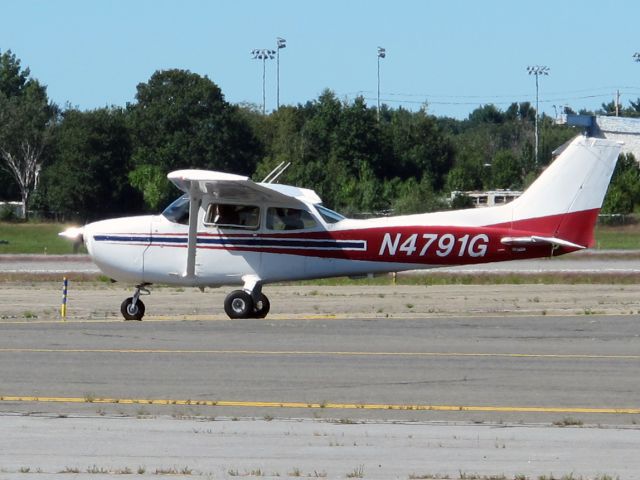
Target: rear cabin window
point(289, 219)
point(227, 215)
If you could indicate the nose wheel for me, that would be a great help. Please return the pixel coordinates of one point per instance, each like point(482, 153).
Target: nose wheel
point(133, 308)
point(132, 311)
point(240, 304)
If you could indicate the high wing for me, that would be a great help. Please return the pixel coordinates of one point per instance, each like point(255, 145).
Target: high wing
point(236, 187)
point(229, 187)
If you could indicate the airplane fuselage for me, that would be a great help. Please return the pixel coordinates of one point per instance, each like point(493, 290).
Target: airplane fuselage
point(151, 249)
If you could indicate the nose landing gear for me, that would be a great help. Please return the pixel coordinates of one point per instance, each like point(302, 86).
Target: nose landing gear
point(133, 308)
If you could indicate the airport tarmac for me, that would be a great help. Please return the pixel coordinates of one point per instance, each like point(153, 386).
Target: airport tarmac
point(542, 377)
point(48, 447)
point(586, 262)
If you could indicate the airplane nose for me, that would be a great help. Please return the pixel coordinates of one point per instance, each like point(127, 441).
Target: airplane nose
point(76, 235)
point(73, 233)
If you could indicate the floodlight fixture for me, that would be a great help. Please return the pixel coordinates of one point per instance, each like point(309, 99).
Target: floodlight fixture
point(537, 70)
point(263, 54)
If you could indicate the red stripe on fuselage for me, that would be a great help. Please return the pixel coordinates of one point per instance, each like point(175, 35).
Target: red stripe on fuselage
point(432, 244)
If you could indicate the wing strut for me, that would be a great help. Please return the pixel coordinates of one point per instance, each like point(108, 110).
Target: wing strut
point(194, 208)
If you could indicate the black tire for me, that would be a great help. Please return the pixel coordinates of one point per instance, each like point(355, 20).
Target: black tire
point(261, 307)
point(238, 304)
point(130, 311)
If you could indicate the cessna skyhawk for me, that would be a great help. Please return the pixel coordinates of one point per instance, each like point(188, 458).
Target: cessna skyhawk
point(228, 230)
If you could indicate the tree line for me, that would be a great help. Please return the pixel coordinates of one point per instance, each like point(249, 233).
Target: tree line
point(67, 163)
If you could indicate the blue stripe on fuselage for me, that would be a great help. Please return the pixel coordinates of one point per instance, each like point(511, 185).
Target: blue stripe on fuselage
point(240, 242)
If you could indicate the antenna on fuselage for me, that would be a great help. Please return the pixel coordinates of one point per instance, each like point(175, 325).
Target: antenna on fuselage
point(276, 172)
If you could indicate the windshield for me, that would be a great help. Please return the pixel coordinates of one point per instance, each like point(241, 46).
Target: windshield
point(327, 215)
point(178, 211)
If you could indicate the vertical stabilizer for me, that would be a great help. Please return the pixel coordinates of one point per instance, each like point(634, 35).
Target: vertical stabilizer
point(565, 200)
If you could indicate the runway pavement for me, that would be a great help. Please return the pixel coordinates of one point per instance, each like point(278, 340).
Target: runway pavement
point(325, 397)
point(482, 369)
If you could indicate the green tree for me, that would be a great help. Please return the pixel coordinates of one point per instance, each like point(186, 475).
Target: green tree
point(417, 197)
point(26, 119)
point(281, 135)
point(506, 171)
point(181, 120)
point(418, 148)
point(623, 195)
point(609, 108)
point(486, 114)
point(89, 177)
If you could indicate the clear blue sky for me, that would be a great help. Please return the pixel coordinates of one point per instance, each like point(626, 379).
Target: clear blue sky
point(453, 54)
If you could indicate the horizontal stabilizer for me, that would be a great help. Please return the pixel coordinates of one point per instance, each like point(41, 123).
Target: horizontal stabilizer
point(537, 240)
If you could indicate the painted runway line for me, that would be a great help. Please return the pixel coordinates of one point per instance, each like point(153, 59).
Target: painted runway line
point(325, 405)
point(303, 353)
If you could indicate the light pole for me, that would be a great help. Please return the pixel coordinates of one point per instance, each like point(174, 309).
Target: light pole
point(537, 70)
point(382, 53)
point(263, 54)
point(281, 43)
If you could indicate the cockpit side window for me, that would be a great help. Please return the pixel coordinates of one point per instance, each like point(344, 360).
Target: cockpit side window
point(289, 219)
point(227, 215)
point(178, 211)
point(328, 215)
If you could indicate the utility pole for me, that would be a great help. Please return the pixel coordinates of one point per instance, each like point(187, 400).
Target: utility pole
point(382, 53)
point(537, 70)
point(281, 43)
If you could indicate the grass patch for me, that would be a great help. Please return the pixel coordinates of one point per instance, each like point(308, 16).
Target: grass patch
point(34, 238)
point(444, 278)
point(625, 237)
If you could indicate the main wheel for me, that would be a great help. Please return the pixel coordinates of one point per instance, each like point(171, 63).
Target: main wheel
point(261, 307)
point(130, 311)
point(238, 304)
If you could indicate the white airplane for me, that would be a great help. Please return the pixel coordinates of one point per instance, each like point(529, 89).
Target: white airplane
point(228, 230)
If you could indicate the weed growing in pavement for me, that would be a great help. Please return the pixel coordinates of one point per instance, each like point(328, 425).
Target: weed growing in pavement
point(357, 472)
point(95, 469)
point(568, 422)
point(70, 470)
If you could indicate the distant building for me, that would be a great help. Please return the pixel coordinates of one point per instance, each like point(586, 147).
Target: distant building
point(620, 129)
point(15, 207)
point(489, 198)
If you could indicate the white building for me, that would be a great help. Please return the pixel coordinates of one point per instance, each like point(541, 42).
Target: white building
point(489, 198)
point(621, 129)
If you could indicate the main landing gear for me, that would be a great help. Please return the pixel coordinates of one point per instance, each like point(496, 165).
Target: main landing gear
point(247, 303)
point(240, 304)
point(133, 308)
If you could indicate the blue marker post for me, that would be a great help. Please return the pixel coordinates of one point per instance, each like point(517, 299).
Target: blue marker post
point(63, 307)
